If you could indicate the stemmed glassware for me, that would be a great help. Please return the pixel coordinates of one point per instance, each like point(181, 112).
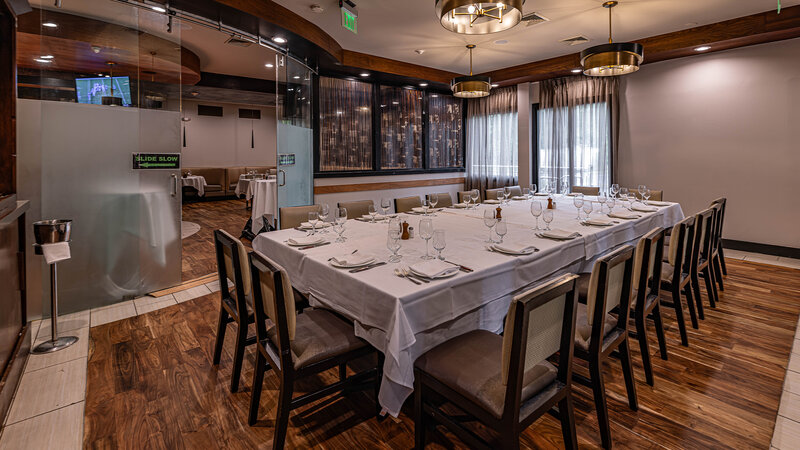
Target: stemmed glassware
point(313, 218)
point(506, 193)
point(501, 229)
point(385, 205)
point(641, 190)
point(433, 199)
point(393, 239)
point(602, 198)
point(623, 192)
point(533, 191)
point(646, 195)
point(536, 211)
point(578, 201)
point(426, 232)
point(610, 201)
point(614, 190)
point(371, 212)
point(587, 208)
point(547, 216)
point(324, 212)
point(490, 219)
point(439, 242)
point(526, 192)
point(475, 195)
point(340, 215)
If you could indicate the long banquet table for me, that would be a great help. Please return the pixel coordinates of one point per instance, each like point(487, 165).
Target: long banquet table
point(404, 320)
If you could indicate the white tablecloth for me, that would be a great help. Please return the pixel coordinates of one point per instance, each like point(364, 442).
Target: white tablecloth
point(404, 320)
point(265, 201)
point(197, 182)
point(245, 186)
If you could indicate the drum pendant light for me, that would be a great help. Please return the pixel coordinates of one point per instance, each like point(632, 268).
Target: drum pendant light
point(472, 86)
point(469, 17)
point(614, 58)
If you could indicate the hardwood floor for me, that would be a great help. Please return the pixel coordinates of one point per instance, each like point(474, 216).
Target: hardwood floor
point(151, 384)
point(198, 249)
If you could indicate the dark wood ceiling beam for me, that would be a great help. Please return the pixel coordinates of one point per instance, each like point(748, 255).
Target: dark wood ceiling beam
point(386, 65)
point(759, 28)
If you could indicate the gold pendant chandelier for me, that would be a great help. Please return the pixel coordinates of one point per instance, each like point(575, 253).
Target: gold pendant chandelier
point(469, 17)
point(471, 86)
point(614, 58)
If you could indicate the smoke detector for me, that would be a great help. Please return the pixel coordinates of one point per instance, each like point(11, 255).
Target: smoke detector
point(419, 51)
point(575, 40)
point(96, 48)
point(315, 8)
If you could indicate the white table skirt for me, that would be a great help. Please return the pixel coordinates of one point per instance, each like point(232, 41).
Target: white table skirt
point(265, 201)
point(196, 181)
point(404, 320)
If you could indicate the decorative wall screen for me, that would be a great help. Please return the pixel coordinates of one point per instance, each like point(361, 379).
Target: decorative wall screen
point(401, 128)
point(445, 132)
point(345, 125)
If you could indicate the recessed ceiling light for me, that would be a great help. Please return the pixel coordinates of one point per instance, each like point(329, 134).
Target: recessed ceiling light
point(46, 57)
point(423, 84)
point(434, 95)
point(269, 65)
point(364, 74)
point(158, 9)
point(576, 70)
point(50, 24)
point(495, 85)
point(501, 41)
point(702, 48)
point(99, 74)
point(296, 77)
point(40, 60)
point(107, 76)
point(395, 103)
point(279, 40)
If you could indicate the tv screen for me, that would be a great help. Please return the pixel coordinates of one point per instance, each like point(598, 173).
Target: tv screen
point(92, 90)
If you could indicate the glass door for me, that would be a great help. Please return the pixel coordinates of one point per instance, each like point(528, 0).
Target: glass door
point(295, 161)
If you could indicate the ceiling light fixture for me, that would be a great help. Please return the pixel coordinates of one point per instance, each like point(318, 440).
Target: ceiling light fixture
point(43, 61)
point(50, 24)
point(494, 85)
point(702, 48)
point(364, 74)
point(576, 70)
point(468, 17)
point(614, 58)
point(46, 57)
point(296, 77)
point(158, 9)
point(269, 65)
point(279, 40)
point(472, 86)
point(423, 84)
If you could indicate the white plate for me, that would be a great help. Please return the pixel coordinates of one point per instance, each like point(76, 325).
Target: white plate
point(352, 266)
point(512, 253)
point(451, 274)
point(317, 242)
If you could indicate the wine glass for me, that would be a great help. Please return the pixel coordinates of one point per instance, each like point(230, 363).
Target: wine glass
point(526, 192)
point(439, 242)
point(475, 195)
point(536, 211)
point(578, 201)
point(623, 192)
point(533, 190)
point(433, 199)
point(426, 232)
point(465, 199)
point(641, 190)
point(610, 201)
point(565, 186)
point(506, 193)
point(602, 198)
point(393, 239)
point(547, 216)
point(614, 190)
point(385, 205)
point(501, 229)
point(587, 208)
point(490, 219)
point(647, 193)
point(371, 212)
point(313, 218)
point(340, 215)
point(324, 212)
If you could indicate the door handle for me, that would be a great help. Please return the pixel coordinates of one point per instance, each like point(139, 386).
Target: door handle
point(174, 185)
point(284, 177)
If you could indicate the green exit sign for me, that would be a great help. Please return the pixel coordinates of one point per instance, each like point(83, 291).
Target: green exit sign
point(349, 20)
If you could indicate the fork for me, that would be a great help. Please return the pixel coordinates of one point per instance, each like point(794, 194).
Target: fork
point(352, 253)
point(408, 273)
point(400, 274)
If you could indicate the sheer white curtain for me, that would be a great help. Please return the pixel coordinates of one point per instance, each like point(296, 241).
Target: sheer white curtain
point(577, 123)
point(492, 140)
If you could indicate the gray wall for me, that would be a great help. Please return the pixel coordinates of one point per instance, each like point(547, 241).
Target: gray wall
point(720, 124)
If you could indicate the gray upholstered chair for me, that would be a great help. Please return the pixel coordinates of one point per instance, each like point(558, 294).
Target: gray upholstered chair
point(516, 191)
point(293, 216)
point(443, 199)
point(494, 194)
point(356, 209)
point(462, 196)
point(405, 204)
point(586, 190)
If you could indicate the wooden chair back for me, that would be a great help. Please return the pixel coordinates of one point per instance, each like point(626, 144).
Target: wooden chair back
point(294, 216)
point(704, 235)
point(443, 199)
point(647, 268)
point(680, 247)
point(356, 209)
point(232, 265)
point(462, 196)
point(406, 204)
point(586, 190)
point(609, 288)
point(273, 299)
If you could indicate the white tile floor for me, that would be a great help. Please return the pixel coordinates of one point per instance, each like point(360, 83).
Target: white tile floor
point(49, 413)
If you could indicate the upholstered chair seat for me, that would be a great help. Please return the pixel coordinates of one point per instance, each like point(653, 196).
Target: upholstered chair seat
point(583, 329)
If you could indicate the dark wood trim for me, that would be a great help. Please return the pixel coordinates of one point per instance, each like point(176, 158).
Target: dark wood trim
point(767, 249)
point(337, 188)
point(755, 29)
point(9, 379)
point(386, 65)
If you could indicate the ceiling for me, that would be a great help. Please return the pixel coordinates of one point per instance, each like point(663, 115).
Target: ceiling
point(395, 29)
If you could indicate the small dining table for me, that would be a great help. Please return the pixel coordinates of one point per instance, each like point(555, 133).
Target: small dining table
point(402, 319)
point(196, 181)
point(265, 202)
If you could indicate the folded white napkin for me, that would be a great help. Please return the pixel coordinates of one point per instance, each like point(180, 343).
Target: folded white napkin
point(519, 197)
point(434, 268)
point(306, 240)
point(560, 234)
point(491, 202)
point(642, 208)
point(624, 215)
point(598, 222)
point(511, 247)
point(350, 259)
point(368, 218)
point(657, 203)
point(56, 252)
point(573, 194)
point(541, 194)
point(420, 209)
point(318, 225)
point(459, 205)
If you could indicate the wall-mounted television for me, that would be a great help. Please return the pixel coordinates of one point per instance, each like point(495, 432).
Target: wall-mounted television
point(92, 90)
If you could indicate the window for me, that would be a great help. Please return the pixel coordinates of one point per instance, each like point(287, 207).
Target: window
point(492, 140)
point(445, 133)
point(345, 141)
point(401, 128)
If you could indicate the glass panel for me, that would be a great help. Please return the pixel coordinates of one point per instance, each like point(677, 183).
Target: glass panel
point(345, 125)
point(445, 133)
point(401, 128)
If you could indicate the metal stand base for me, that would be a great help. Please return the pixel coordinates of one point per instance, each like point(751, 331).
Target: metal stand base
point(55, 345)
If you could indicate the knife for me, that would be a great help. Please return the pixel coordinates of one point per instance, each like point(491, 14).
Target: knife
point(312, 246)
point(460, 267)
point(371, 266)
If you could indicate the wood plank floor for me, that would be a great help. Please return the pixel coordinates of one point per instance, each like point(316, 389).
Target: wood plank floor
point(151, 384)
point(198, 249)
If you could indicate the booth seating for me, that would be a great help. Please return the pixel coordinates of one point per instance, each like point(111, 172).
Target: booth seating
point(221, 181)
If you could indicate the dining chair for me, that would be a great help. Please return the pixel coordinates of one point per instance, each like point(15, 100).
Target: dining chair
point(356, 209)
point(675, 273)
point(598, 333)
point(405, 204)
point(462, 196)
point(701, 262)
point(294, 216)
point(504, 382)
point(494, 194)
point(516, 191)
point(586, 190)
point(299, 346)
point(645, 302)
point(716, 246)
point(443, 199)
point(721, 254)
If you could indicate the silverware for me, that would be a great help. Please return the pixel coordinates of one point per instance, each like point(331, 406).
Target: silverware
point(400, 274)
point(413, 275)
point(460, 267)
point(371, 266)
point(312, 246)
point(352, 253)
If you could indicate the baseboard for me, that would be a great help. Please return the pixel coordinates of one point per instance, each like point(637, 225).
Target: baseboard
point(767, 249)
point(10, 378)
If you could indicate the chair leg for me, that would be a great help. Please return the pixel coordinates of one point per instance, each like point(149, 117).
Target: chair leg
point(282, 415)
point(676, 303)
point(567, 416)
point(378, 380)
point(722, 260)
point(419, 415)
point(641, 336)
point(342, 372)
point(697, 299)
point(258, 382)
point(687, 290)
point(627, 372)
point(718, 272)
point(509, 441)
point(238, 356)
point(222, 325)
point(710, 288)
point(599, 391)
point(662, 342)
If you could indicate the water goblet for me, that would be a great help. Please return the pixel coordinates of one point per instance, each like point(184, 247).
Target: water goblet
point(578, 201)
point(393, 244)
point(587, 208)
point(385, 205)
point(426, 232)
point(324, 213)
point(602, 198)
point(506, 193)
point(433, 199)
point(623, 192)
point(641, 190)
point(614, 190)
point(501, 229)
point(547, 216)
point(439, 242)
point(475, 195)
point(371, 212)
point(647, 194)
point(313, 218)
point(536, 211)
point(490, 219)
point(533, 190)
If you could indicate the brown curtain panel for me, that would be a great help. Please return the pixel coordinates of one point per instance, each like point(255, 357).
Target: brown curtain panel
point(492, 140)
point(345, 125)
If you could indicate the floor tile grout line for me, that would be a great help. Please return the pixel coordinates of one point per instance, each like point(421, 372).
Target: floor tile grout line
point(46, 412)
point(52, 365)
